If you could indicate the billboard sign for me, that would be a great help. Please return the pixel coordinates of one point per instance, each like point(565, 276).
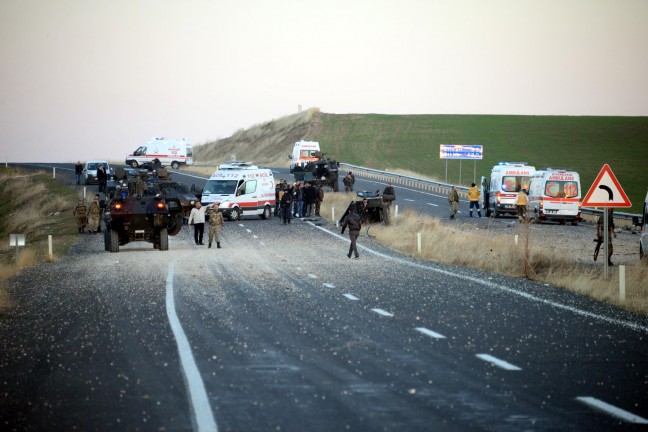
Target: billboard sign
point(461, 151)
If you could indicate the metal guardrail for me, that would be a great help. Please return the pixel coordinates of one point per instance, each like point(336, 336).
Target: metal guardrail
point(440, 187)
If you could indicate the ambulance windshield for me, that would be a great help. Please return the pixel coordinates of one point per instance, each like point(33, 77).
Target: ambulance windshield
point(561, 189)
point(220, 187)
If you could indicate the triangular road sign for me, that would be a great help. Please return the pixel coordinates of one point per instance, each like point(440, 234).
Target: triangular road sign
point(606, 191)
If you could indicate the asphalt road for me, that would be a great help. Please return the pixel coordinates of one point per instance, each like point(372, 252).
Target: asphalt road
point(280, 331)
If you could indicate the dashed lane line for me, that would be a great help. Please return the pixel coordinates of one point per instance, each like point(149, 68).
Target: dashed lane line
point(499, 363)
point(351, 297)
point(199, 401)
point(611, 410)
point(383, 312)
point(430, 333)
point(328, 285)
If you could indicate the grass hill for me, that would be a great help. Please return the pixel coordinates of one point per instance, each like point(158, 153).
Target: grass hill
point(411, 142)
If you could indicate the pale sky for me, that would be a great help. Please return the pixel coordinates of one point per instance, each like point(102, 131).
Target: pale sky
point(84, 79)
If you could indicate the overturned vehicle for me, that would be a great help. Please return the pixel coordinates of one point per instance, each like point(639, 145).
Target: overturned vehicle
point(140, 212)
point(371, 208)
point(322, 172)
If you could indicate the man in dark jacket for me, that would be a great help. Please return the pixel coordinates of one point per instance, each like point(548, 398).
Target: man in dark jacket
point(78, 170)
point(352, 221)
point(309, 199)
point(286, 204)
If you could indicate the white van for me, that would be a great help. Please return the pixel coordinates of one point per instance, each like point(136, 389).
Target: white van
point(90, 171)
point(501, 191)
point(241, 189)
point(304, 152)
point(555, 194)
point(172, 152)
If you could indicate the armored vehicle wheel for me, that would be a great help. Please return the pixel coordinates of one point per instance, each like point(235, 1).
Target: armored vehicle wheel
point(106, 239)
point(266, 212)
point(164, 239)
point(175, 164)
point(235, 214)
point(114, 241)
point(134, 164)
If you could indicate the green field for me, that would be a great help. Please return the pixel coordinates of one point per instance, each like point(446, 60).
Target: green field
point(412, 142)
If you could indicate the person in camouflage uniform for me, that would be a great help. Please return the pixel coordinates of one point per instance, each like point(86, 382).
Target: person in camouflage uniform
point(453, 199)
point(215, 221)
point(80, 213)
point(94, 213)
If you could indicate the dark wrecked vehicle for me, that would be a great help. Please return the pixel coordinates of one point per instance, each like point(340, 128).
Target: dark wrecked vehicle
point(370, 207)
point(140, 212)
point(323, 172)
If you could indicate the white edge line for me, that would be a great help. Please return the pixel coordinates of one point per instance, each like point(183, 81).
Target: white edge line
point(430, 333)
point(497, 362)
point(328, 285)
point(611, 410)
point(351, 297)
point(204, 416)
point(383, 312)
point(312, 276)
point(626, 324)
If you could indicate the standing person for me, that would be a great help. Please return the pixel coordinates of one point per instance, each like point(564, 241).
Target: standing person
point(611, 232)
point(299, 200)
point(81, 214)
point(102, 178)
point(473, 196)
point(78, 170)
point(215, 221)
point(453, 199)
point(347, 183)
point(286, 205)
point(319, 198)
point(388, 195)
point(352, 221)
point(197, 219)
point(94, 213)
point(522, 204)
point(279, 191)
point(309, 199)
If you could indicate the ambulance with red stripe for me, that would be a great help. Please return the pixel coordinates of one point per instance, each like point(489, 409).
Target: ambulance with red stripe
point(241, 189)
point(501, 191)
point(170, 152)
point(555, 195)
point(303, 153)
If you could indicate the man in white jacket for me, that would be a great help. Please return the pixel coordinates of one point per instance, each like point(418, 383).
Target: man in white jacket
point(197, 219)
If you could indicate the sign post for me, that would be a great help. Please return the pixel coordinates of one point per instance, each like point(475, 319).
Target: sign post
point(461, 151)
point(17, 240)
point(606, 192)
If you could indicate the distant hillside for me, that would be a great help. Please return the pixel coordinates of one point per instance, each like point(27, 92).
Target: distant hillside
point(411, 142)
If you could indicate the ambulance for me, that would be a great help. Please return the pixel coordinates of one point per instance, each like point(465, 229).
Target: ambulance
point(304, 152)
point(555, 195)
point(500, 193)
point(173, 152)
point(643, 239)
point(241, 189)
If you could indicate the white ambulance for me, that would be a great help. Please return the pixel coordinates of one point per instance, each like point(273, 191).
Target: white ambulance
point(304, 152)
point(555, 194)
point(501, 191)
point(173, 152)
point(241, 189)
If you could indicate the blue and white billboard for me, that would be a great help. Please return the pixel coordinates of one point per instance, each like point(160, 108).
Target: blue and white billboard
point(461, 151)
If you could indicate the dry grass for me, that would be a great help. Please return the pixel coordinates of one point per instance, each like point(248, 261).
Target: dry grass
point(37, 206)
point(265, 144)
point(459, 244)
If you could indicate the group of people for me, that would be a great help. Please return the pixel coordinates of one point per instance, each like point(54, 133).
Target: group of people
point(88, 217)
point(297, 200)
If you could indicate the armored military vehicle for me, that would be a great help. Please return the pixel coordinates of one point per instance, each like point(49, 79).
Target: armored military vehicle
point(370, 207)
point(140, 212)
point(322, 172)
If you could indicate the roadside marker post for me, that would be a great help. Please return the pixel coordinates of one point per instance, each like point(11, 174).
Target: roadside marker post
point(17, 240)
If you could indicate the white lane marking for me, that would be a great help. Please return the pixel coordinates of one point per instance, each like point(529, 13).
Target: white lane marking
point(383, 312)
point(328, 285)
point(248, 230)
point(435, 205)
point(262, 244)
point(351, 297)
point(493, 285)
point(406, 199)
point(312, 276)
point(499, 363)
point(241, 225)
point(204, 416)
point(254, 236)
point(430, 333)
point(611, 410)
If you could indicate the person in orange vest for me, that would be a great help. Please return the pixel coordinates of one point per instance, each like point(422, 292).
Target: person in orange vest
point(522, 204)
point(473, 196)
